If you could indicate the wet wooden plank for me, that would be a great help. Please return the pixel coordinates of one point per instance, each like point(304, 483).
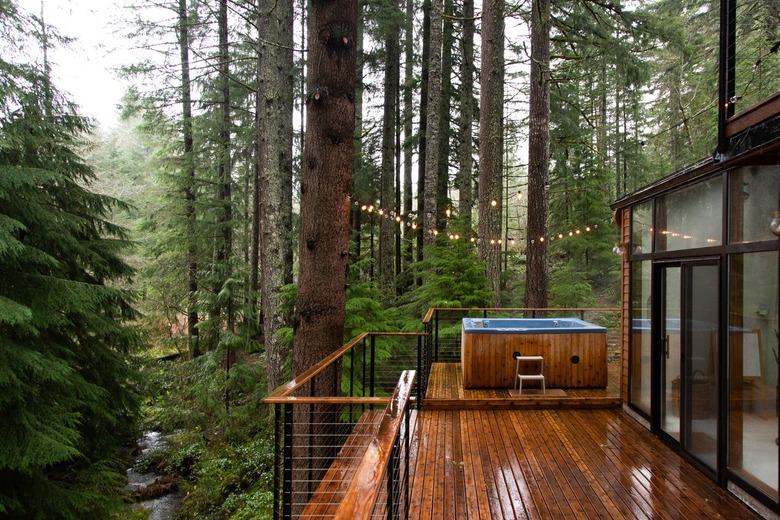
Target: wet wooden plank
point(445, 391)
point(556, 464)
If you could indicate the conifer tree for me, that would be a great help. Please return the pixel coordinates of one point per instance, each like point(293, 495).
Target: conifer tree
point(65, 398)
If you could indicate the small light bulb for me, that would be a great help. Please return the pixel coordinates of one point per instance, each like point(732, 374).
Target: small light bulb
point(774, 226)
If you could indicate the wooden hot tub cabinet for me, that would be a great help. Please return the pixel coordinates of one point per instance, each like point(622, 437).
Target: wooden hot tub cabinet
point(571, 359)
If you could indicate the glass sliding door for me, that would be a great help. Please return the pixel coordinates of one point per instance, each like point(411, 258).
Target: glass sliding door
point(700, 416)
point(671, 318)
point(689, 358)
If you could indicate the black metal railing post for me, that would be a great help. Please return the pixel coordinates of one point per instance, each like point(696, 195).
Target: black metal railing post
point(436, 332)
point(407, 414)
point(391, 481)
point(363, 381)
point(310, 458)
point(420, 373)
point(287, 462)
point(372, 369)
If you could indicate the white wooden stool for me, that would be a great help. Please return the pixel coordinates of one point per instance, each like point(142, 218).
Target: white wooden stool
point(519, 378)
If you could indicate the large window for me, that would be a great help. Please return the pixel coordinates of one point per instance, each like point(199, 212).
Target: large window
point(642, 228)
point(753, 192)
point(690, 218)
point(753, 367)
point(640, 335)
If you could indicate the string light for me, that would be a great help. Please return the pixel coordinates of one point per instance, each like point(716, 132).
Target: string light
point(409, 220)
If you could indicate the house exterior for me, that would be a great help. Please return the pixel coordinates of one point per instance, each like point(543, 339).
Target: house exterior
point(700, 303)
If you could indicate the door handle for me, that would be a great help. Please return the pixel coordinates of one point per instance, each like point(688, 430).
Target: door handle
point(666, 346)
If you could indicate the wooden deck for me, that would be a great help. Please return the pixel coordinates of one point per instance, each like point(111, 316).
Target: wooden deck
point(445, 391)
point(485, 454)
point(554, 464)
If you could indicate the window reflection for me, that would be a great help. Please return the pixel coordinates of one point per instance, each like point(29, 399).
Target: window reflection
point(640, 335)
point(691, 217)
point(753, 368)
point(753, 192)
point(641, 228)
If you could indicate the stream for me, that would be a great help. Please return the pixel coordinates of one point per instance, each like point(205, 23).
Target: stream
point(165, 506)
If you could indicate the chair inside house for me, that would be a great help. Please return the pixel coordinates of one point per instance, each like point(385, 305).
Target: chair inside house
point(523, 361)
point(752, 369)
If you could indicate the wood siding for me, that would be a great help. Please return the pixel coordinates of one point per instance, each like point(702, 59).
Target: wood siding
point(487, 360)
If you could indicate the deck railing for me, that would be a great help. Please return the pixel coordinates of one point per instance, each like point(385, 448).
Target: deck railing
point(333, 415)
point(335, 419)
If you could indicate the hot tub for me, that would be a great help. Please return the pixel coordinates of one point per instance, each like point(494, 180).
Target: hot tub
point(574, 351)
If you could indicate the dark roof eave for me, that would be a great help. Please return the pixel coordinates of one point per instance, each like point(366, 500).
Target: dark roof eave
point(674, 180)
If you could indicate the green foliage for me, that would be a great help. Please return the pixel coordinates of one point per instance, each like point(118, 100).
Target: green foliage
point(65, 381)
point(453, 277)
point(223, 458)
point(233, 482)
point(568, 288)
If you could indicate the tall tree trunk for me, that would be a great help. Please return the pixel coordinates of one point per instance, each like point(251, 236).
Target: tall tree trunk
point(325, 208)
point(445, 97)
point(189, 180)
point(491, 142)
point(423, 149)
point(387, 196)
point(536, 283)
point(225, 249)
point(326, 182)
point(433, 127)
point(275, 137)
point(46, 63)
point(357, 170)
point(408, 148)
point(465, 134)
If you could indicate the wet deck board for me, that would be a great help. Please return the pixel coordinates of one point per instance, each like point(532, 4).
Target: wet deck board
point(485, 464)
point(445, 391)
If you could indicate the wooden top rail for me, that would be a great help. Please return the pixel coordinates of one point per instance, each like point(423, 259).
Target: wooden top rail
point(286, 389)
point(291, 399)
point(429, 315)
point(358, 503)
